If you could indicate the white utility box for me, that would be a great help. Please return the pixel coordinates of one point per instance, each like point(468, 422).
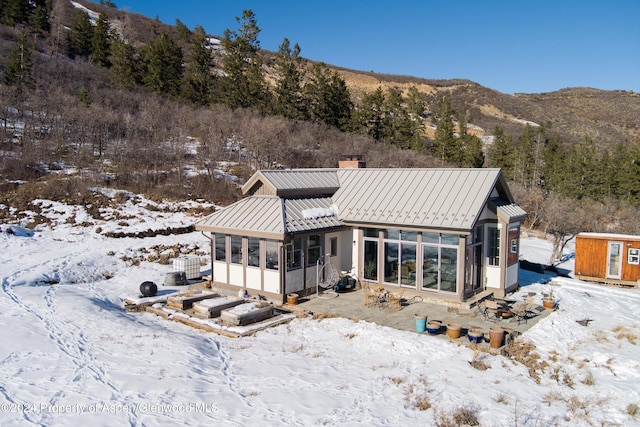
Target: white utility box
point(190, 265)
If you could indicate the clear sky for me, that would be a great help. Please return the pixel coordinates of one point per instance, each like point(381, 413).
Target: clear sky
point(529, 46)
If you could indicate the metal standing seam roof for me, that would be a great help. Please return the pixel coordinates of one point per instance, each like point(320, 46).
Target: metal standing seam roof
point(510, 212)
point(270, 216)
point(433, 198)
point(308, 182)
point(257, 214)
point(422, 198)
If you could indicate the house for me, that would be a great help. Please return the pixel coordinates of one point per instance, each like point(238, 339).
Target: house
point(609, 258)
point(443, 232)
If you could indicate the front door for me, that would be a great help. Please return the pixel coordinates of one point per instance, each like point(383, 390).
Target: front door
point(473, 269)
point(614, 261)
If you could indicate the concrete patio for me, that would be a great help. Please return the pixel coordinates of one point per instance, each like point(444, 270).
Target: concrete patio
point(351, 305)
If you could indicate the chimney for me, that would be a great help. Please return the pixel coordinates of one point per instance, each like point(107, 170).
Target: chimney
point(352, 161)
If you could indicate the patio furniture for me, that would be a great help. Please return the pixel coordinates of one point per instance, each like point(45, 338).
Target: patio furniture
point(490, 310)
point(521, 311)
point(370, 296)
point(394, 300)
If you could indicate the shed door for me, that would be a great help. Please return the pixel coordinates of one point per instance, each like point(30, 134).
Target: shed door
point(614, 261)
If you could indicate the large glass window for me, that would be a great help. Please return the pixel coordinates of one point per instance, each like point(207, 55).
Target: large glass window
point(253, 252)
point(313, 249)
point(221, 248)
point(449, 269)
point(272, 259)
point(430, 262)
point(494, 246)
point(408, 264)
point(440, 261)
point(391, 262)
point(400, 257)
point(236, 249)
point(294, 254)
point(371, 259)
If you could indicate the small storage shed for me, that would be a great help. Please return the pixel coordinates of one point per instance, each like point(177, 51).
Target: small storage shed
point(608, 258)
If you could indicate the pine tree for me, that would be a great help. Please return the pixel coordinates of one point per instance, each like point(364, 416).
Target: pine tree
point(81, 35)
point(369, 118)
point(162, 68)
point(19, 68)
point(625, 171)
point(289, 100)
point(500, 154)
point(553, 170)
point(16, 12)
point(123, 72)
point(184, 33)
point(583, 171)
point(327, 97)
point(100, 41)
point(243, 85)
point(198, 80)
point(445, 144)
point(39, 21)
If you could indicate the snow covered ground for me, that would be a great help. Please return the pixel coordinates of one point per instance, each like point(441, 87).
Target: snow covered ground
point(70, 355)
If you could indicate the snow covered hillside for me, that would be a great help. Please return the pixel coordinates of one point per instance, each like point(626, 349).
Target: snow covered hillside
point(71, 355)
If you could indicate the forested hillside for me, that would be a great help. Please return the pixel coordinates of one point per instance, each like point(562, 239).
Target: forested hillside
point(126, 101)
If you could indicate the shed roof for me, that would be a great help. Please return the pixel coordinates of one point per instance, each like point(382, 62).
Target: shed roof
point(608, 236)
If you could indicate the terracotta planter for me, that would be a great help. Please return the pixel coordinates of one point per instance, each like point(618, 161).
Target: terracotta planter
point(453, 330)
point(292, 299)
point(496, 335)
point(548, 303)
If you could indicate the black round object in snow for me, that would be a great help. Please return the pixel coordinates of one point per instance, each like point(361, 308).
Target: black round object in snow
point(148, 289)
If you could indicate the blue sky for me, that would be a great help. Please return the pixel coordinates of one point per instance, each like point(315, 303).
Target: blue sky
point(507, 45)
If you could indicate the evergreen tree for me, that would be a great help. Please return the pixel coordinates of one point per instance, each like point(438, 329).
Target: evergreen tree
point(625, 171)
point(500, 154)
point(327, 97)
point(289, 100)
point(340, 104)
point(80, 35)
point(243, 85)
point(553, 170)
point(19, 68)
point(16, 12)
point(184, 33)
point(100, 41)
point(584, 174)
point(123, 72)
point(198, 80)
point(445, 144)
point(401, 128)
point(162, 66)
point(39, 21)
point(370, 115)
point(471, 154)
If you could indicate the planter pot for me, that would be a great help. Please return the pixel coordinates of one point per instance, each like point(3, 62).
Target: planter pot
point(292, 299)
point(433, 327)
point(453, 330)
point(496, 336)
point(475, 336)
point(421, 322)
point(548, 303)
